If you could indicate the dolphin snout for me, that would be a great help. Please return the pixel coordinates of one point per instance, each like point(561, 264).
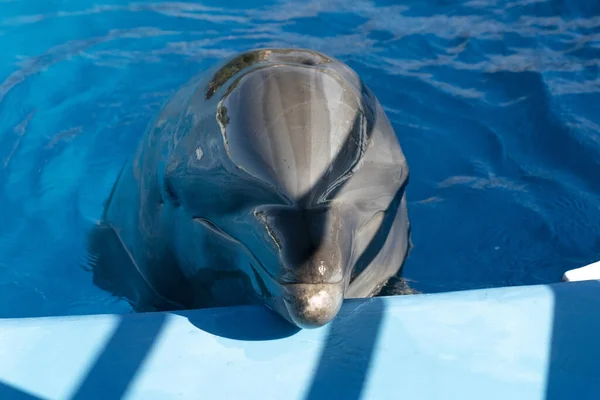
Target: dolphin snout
point(311, 245)
point(313, 305)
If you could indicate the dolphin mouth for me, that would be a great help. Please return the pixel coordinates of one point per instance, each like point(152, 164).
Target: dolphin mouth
point(310, 305)
point(283, 280)
point(215, 229)
point(306, 305)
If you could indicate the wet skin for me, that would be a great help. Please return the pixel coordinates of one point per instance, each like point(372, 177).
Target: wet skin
point(274, 178)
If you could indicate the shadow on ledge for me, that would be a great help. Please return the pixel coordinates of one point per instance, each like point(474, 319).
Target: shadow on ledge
point(130, 344)
point(117, 364)
point(348, 351)
point(574, 359)
point(8, 392)
point(250, 323)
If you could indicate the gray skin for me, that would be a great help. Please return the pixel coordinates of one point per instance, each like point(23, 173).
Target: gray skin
point(274, 178)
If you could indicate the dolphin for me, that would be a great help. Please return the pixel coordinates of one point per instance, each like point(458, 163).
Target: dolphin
point(274, 178)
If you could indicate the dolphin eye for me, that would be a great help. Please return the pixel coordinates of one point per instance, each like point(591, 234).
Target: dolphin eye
point(171, 194)
point(308, 61)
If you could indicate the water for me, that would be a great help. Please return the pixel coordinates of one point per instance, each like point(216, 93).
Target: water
point(496, 105)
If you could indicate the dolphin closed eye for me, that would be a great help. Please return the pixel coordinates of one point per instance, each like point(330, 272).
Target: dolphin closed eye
point(274, 178)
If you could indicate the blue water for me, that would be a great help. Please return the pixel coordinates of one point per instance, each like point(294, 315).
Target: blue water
point(496, 105)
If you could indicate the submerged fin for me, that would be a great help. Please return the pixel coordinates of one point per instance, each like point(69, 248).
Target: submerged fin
point(397, 286)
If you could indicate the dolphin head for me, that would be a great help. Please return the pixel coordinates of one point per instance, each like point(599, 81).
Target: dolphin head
point(291, 136)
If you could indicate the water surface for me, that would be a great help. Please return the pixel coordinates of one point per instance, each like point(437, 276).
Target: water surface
point(496, 105)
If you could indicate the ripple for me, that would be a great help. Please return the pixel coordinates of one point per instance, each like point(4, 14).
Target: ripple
point(67, 50)
point(19, 132)
point(170, 9)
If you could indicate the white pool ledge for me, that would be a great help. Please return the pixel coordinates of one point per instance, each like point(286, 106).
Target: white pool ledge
point(535, 342)
point(586, 273)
